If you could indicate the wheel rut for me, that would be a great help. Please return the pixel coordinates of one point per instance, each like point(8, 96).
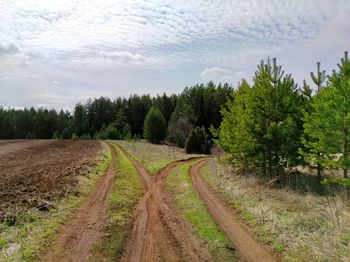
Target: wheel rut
point(248, 247)
point(159, 233)
point(75, 240)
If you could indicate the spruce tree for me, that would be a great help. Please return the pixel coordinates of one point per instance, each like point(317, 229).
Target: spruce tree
point(154, 128)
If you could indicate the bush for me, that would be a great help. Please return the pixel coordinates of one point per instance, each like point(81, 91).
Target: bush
point(85, 137)
point(31, 135)
point(178, 131)
point(198, 141)
point(154, 128)
point(108, 133)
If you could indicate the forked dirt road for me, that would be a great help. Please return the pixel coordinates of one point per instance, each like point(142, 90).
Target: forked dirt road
point(159, 232)
point(77, 237)
point(249, 249)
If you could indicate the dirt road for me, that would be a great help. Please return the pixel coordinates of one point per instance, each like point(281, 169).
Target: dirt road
point(75, 240)
point(159, 232)
point(249, 249)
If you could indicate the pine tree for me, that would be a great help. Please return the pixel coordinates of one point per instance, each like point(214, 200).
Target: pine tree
point(328, 125)
point(318, 78)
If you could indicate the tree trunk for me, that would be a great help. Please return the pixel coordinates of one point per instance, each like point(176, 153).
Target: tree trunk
point(319, 173)
point(345, 172)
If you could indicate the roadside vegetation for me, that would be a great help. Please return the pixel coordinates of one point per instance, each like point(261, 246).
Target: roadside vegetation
point(187, 200)
point(34, 230)
point(153, 157)
point(271, 126)
point(300, 226)
point(127, 190)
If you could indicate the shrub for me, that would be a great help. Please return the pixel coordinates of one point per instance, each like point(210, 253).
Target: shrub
point(198, 141)
point(31, 135)
point(85, 137)
point(178, 131)
point(154, 127)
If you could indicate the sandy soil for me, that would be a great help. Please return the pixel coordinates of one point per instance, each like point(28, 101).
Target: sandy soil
point(249, 249)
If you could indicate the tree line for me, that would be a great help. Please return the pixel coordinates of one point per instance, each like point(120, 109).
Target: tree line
point(272, 124)
point(122, 118)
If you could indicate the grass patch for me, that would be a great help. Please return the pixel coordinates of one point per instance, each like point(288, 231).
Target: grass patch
point(124, 196)
point(188, 201)
point(153, 157)
point(34, 230)
point(301, 227)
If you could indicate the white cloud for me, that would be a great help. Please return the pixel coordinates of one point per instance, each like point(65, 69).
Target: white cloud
point(215, 73)
point(139, 38)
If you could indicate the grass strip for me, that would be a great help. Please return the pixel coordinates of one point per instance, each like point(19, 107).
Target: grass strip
point(121, 201)
point(187, 200)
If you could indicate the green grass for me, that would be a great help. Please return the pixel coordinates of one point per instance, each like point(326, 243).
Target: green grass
point(188, 201)
point(124, 196)
point(34, 231)
point(153, 157)
point(300, 227)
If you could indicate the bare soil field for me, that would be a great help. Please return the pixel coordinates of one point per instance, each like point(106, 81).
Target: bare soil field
point(37, 171)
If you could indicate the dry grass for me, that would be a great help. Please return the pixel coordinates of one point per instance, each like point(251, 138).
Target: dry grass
point(303, 227)
point(153, 157)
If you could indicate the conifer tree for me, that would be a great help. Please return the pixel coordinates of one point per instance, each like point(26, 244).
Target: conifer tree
point(154, 126)
point(328, 125)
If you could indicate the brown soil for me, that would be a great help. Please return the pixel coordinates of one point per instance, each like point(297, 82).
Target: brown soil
point(159, 233)
point(249, 249)
point(35, 172)
point(84, 229)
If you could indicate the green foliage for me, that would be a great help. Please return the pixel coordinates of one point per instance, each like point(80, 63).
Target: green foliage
point(327, 125)
point(85, 137)
point(340, 181)
point(154, 126)
point(30, 135)
point(198, 141)
point(261, 125)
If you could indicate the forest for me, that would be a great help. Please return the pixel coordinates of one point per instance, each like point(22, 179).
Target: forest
point(270, 125)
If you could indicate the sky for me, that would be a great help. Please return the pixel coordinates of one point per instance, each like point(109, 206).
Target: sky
point(56, 53)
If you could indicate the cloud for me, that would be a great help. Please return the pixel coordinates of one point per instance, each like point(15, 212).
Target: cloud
point(124, 57)
point(143, 45)
point(215, 73)
point(8, 49)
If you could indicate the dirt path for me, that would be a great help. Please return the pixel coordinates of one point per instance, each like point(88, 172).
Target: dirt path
point(249, 249)
point(77, 237)
point(159, 232)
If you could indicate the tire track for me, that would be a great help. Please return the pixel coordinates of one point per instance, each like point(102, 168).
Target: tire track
point(75, 240)
point(159, 232)
point(249, 249)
